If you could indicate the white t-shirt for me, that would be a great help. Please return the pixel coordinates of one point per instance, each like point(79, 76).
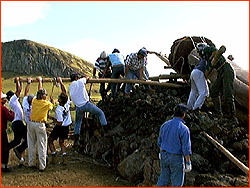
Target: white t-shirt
point(62, 114)
point(26, 109)
point(16, 107)
point(78, 92)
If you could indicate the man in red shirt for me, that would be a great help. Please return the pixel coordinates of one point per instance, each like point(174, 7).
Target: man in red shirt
point(6, 116)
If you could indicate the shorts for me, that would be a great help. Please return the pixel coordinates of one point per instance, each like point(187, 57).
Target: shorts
point(59, 132)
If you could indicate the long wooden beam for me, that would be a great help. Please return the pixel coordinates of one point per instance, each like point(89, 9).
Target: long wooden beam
point(110, 80)
point(169, 76)
point(228, 154)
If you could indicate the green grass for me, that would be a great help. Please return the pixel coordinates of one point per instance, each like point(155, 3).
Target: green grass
point(7, 83)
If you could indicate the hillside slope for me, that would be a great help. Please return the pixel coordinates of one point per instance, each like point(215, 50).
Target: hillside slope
point(28, 57)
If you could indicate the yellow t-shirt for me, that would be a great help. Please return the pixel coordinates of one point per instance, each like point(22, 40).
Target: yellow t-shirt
point(40, 110)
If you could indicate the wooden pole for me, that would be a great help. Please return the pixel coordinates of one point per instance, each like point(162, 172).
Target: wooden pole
point(169, 76)
point(228, 154)
point(110, 80)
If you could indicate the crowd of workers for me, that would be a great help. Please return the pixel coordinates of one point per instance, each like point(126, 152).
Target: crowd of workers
point(174, 137)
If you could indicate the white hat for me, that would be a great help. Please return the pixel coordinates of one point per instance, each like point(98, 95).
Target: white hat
point(3, 95)
point(103, 55)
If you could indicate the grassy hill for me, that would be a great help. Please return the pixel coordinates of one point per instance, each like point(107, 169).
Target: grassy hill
point(28, 57)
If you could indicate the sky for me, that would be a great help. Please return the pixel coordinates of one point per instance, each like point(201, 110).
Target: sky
point(86, 28)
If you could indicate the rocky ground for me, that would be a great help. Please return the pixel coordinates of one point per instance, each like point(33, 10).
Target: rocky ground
point(131, 146)
point(80, 171)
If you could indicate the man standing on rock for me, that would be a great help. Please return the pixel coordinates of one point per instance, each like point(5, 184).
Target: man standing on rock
point(223, 85)
point(199, 86)
point(100, 65)
point(175, 145)
point(116, 61)
point(134, 67)
point(80, 98)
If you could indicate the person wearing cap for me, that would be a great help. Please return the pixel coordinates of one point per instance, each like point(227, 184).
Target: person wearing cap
point(199, 87)
point(230, 57)
point(6, 115)
point(175, 149)
point(100, 65)
point(62, 122)
point(116, 61)
point(37, 134)
point(134, 66)
point(223, 85)
point(19, 143)
point(80, 98)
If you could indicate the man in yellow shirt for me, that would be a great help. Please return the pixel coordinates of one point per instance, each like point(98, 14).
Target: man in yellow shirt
point(36, 127)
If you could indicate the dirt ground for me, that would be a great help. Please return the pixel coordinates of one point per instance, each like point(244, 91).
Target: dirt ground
point(80, 171)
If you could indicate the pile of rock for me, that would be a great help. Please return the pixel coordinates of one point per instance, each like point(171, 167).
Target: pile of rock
point(131, 145)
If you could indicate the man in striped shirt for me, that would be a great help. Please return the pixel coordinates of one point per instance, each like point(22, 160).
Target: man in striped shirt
point(100, 65)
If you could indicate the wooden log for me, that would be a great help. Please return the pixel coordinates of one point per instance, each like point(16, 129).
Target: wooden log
point(169, 76)
point(228, 154)
point(110, 80)
point(163, 58)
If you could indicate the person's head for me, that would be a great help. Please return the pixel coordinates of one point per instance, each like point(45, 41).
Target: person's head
point(103, 55)
point(205, 51)
point(180, 110)
point(41, 94)
point(115, 51)
point(230, 57)
point(142, 53)
point(62, 99)
point(74, 77)
point(3, 98)
point(30, 98)
point(9, 94)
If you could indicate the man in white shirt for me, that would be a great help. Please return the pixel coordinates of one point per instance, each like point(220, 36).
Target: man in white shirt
point(62, 120)
point(80, 98)
point(19, 129)
point(27, 100)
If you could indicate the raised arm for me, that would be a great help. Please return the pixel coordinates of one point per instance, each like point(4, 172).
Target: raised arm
point(18, 86)
point(63, 88)
point(27, 88)
point(40, 84)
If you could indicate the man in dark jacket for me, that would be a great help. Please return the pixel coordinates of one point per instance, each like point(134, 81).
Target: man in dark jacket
point(6, 115)
point(224, 84)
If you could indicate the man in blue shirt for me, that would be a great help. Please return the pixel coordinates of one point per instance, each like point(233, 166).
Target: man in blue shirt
point(175, 145)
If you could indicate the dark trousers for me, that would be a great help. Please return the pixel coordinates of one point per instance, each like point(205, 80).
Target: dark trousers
point(104, 91)
point(116, 73)
point(4, 147)
point(20, 136)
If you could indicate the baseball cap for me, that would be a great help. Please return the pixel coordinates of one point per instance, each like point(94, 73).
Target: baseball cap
point(143, 52)
point(115, 51)
point(3, 95)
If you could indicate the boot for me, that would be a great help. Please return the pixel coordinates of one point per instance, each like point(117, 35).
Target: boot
point(76, 141)
point(53, 159)
point(217, 107)
point(64, 161)
point(231, 113)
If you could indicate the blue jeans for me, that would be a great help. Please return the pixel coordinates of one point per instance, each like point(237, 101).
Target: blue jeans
point(133, 75)
point(172, 169)
point(88, 107)
point(116, 72)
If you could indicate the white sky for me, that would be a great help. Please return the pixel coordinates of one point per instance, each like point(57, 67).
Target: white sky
point(86, 28)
